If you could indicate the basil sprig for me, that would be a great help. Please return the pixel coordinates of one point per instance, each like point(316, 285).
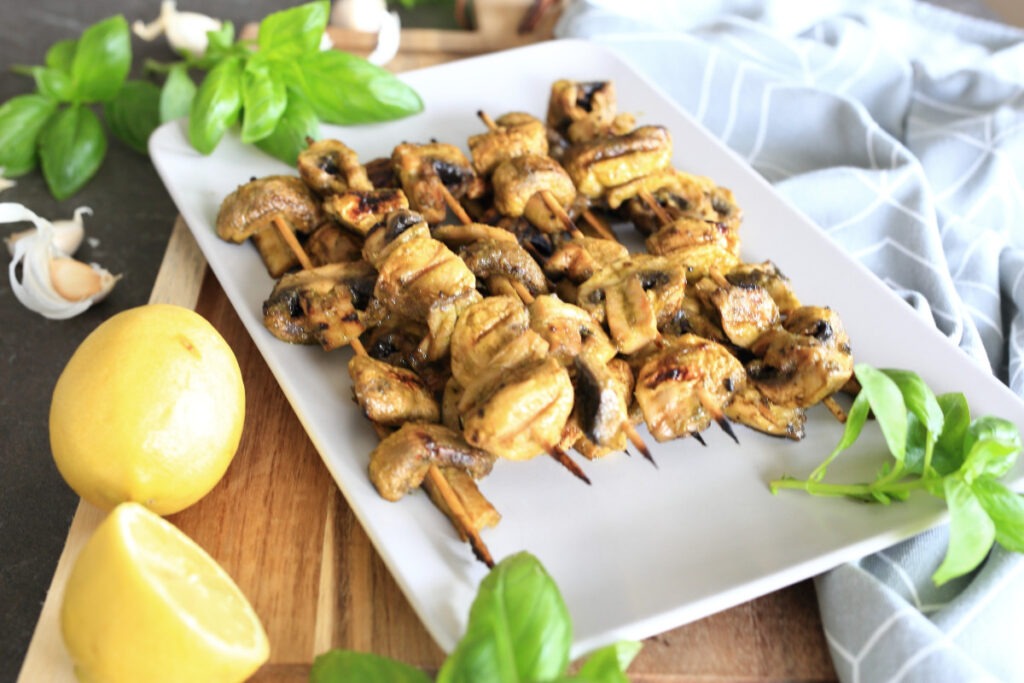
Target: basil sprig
point(938, 448)
point(519, 631)
point(277, 88)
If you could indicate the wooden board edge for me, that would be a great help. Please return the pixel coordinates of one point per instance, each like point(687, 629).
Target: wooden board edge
point(177, 282)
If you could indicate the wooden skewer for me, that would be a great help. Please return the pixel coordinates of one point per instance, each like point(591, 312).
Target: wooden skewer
point(714, 410)
point(568, 463)
point(488, 121)
point(699, 438)
point(655, 206)
point(599, 226)
point(834, 408)
point(560, 214)
point(455, 206)
point(637, 441)
point(292, 242)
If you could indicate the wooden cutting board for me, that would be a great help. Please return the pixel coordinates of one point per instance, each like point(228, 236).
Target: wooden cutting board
point(279, 525)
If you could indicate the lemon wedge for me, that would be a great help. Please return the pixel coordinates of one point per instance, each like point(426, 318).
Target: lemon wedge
point(144, 602)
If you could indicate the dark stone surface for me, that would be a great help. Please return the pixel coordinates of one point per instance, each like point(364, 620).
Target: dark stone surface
point(131, 222)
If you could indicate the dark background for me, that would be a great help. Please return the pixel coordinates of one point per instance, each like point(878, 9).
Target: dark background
point(131, 223)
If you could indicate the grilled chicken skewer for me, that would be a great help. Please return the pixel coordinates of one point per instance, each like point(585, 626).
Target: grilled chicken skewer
point(372, 381)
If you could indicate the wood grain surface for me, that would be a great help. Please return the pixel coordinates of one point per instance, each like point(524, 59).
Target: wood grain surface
point(278, 524)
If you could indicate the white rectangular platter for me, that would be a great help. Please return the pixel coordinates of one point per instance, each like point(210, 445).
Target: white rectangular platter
point(643, 549)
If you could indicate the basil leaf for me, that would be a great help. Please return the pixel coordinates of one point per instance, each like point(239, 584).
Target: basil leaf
point(216, 105)
point(53, 83)
point(263, 100)
point(888, 406)
point(71, 146)
point(220, 45)
point(991, 460)
point(177, 94)
point(918, 398)
point(102, 60)
point(855, 420)
point(917, 439)
point(134, 113)
point(61, 55)
point(21, 119)
point(949, 448)
point(519, 628)
point(609, 664)
point(346, 89)
point(971, 532)
point(297, 123)
point(345, 666)
point(291, 33)
point(1006, 509)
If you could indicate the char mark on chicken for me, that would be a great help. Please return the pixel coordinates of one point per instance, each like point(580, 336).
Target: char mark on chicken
point(330, 167)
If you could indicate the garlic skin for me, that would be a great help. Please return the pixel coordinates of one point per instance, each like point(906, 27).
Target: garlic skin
point(68, 233)
point(5, 183)
point(388, 39)
point(359, 15)
point(185, 31)
point(52, 283)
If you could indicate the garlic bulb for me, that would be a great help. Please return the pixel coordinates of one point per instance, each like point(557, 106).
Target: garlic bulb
point(67, 233)
point(388, 39)
point(186, 31)
point(359, 15)
point(52, 284)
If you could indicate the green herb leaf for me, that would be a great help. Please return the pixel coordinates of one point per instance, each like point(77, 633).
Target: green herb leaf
point(345, 666)
point(949, 449)
point(71, 146)
point(855, 419)
point(61, 55)
point(220, 45)
point(294, 32)
point(102, 60)
point(21, 120)
point(918, 398)
point(298, 122)
point(216, 105)
point(177, 94)
point(609, 664)
point(134, 113)
point(264, 99)
point(346, 89)
point(971, 532)
point(992, 445)
point(53, 83)
point(519, 628)
point(888, 407)
point(1006, 510)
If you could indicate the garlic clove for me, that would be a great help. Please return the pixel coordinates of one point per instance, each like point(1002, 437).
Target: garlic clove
point(51, 283)
point(359, 15)
point(68, 233)
point(185, 31)
point(388, 39)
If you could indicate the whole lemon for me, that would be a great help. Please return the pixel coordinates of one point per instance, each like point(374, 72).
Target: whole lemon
point(148, 409)
point(145, 603)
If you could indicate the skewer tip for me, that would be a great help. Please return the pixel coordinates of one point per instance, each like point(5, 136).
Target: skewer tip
point(726, 426)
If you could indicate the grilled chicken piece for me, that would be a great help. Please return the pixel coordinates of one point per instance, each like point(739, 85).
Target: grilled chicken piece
point(421, 279)
point(518, 412)
point(391, 395)
point(606, 162)
point(331, 244)
point(702, 245)
point(803, 361)
point(400, 227)
point(504, 260)
point(362, 210)
point(604, 391)
point(329, 167)
point(581, 111)
point(767, 275)
point(682, 387)
point(400, 461)
point(569, 330)
point(517, 134)
point(743, 313)
point(679, 194)
point(634, 296)
point(519, 182)
point(320, 306)
point(422, 169)
point(579, 259)
point(752, 408)
point(482, 331)
point(462, 234)
point(381, 173)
